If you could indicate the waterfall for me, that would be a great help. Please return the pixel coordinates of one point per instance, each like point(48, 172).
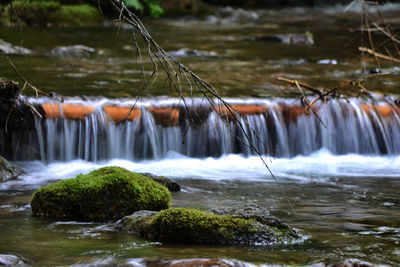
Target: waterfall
point(280, 128)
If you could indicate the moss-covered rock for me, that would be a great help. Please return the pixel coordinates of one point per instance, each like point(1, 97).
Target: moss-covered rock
point(199, 227)
point(8, 170)
point(104, 194)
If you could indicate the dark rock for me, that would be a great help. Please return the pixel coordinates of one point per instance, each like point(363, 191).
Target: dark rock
point(297, 39)
point(198, 227)
point(18, 118)
point(171, 185)
point(137, 222)
point(105, 194)
point(6, 259)
point(8, 89)
point(73, 51)
point(9, 170)
point(7, 48)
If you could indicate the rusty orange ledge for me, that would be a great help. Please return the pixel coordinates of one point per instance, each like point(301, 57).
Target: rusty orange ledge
point(169, 116)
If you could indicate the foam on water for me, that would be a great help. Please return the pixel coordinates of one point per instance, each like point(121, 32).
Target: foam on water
point(318, 167)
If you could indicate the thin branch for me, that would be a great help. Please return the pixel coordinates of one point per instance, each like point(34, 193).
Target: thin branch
point(379, 55)
point(26, 83)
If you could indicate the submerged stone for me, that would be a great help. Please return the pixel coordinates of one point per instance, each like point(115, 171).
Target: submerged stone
point(104, 194)
point(9, 170)
point(198, 227)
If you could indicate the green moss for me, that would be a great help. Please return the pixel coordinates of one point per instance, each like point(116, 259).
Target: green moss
point(285, 234)
point(44, 13)
point(195, 226)
point(77, 15)
point(106, 193)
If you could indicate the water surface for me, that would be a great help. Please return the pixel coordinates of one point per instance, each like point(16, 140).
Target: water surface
point(346, 205)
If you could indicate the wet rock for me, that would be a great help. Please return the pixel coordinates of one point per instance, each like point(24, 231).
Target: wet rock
point(184, 52)
point(72, 51)
point(350, 263)
point(9, 170)
point(297, 39)
point(199, 227)
point(171, 185)
point(17, 118)
point(105, 194)
point(251, 212)
point(6, 259)
point(137, 222)
point(7, 48)
point(8, 89)
point(327, 62)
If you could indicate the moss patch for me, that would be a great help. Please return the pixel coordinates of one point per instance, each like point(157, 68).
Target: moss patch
point(103, 194)
point(193, 226)
point(189, 225)
point(199, 227)
point(45, 13)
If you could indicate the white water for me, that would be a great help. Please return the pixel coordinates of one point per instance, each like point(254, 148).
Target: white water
point(342, 127)
point(318, 167)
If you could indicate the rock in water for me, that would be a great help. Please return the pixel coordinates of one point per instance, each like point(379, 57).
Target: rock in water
point(251, 212)
point(7, 48)
point(9, 170)
point(296, 39)
point(105, 194)
point(72, 51)
point(199, 227)
point(6, 259)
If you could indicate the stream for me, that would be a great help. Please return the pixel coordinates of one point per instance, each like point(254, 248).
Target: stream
point(346, 205)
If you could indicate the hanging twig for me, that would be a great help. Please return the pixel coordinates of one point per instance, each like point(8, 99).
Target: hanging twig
point(26, 83)
point(176, 73)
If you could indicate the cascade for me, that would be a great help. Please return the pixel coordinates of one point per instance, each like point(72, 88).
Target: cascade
point(104, 129)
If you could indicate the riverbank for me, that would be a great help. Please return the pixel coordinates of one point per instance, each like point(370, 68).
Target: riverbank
point(77, 12)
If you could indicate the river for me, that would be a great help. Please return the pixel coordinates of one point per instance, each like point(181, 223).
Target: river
point(345, 204)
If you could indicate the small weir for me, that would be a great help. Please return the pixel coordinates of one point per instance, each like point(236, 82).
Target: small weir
point(105, 129)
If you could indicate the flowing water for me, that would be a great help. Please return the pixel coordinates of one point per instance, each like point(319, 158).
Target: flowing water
point(342, 179)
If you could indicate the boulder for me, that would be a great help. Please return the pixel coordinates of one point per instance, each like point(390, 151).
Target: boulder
point(7, 48)
point(72, 51)
point(6, 259)
point(108, 193)
point(9, 170)
point(193, 226)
